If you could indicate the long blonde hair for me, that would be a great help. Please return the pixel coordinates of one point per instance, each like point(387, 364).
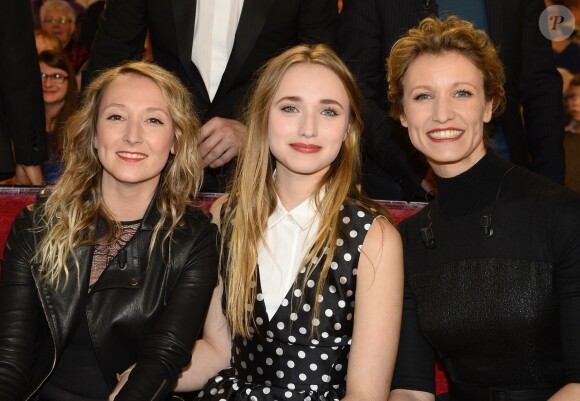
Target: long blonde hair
point(253, 198)
point(69, 214)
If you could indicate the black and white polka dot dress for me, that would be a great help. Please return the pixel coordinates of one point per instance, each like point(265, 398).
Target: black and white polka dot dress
point(283, 360)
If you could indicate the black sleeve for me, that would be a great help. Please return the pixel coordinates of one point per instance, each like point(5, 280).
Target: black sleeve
point(21, 102)
point(167, 349)
point(565, 234)
point(415, 365)
point(19, 310)
point(318, 21)
point(120, 36)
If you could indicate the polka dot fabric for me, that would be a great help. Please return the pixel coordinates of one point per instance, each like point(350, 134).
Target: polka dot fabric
point(283, 360)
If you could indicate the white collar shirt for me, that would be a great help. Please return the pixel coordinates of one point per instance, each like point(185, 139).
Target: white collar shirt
point(289, 237)
point(216, 22)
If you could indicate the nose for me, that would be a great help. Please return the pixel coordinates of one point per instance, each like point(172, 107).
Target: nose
point(47, 82)
point(309, 127)
point(133, 133)
point(443, 110)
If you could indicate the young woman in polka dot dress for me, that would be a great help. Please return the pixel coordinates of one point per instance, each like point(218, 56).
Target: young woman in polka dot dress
point(312, 269)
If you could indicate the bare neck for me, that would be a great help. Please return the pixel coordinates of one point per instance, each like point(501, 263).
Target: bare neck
point(293, 189)
point(51, 112)
point(128, 204)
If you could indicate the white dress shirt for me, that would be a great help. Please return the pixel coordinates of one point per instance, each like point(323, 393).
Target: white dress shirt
point(216, 22)
point(289, 237)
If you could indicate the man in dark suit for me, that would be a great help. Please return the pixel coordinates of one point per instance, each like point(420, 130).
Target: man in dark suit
point(265, 28)
point(368, 30)
point(22, 134)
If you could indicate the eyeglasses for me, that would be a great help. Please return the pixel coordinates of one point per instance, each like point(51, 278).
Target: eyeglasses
point(56, 77)
point(59, 20)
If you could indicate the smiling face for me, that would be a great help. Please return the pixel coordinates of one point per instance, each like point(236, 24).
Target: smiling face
point(135, 134)
point(53, 88)
point(445, 110)
point(308, 121)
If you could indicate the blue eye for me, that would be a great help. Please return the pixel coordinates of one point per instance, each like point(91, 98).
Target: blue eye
point(329, 112)
point(463, 93)
point(422, 96)
point(289, 109)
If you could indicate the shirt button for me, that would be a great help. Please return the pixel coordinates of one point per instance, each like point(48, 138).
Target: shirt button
point(133, 281)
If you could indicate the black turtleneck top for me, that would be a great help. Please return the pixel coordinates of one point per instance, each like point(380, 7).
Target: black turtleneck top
point(499, 311)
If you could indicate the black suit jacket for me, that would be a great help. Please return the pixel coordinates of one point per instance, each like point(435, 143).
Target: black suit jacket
point(21, 105)
point(368, 30)
point(266, 28)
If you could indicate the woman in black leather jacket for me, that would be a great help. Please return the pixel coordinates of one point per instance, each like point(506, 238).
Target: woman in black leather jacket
point(115, 265)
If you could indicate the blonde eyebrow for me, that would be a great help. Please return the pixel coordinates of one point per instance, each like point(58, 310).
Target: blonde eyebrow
point(124, 106)
point(297, 99)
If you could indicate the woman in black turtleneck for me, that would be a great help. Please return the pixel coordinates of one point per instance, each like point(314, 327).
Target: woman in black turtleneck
point(493, 263)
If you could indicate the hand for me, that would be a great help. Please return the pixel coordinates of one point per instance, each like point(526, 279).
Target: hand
point(28, 175)
point(221, 141)
point(122, 378)
point(429, 184)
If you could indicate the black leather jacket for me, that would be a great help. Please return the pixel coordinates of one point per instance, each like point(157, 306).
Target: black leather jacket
point(149, 311)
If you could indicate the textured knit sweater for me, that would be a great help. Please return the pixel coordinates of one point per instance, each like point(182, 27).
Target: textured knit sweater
point(500, 311)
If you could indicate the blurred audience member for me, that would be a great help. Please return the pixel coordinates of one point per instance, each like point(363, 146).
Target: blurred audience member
point(36, 4)
point(60, 93)
point(45, 41)
point(58, 18)
point(567, 51)
point(573, 105)
point(572, 134)
point(22, 137)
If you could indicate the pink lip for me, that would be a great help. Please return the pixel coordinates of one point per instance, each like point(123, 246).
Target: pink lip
point(131, 159)
point(305, 148)
point(445, 129)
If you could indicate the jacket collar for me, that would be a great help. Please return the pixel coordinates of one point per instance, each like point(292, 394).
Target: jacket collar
point(152, 215)
point(252, 20)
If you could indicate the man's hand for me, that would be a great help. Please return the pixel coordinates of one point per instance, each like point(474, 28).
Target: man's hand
point(221, 141)
point(28, 175)
point(429, 184)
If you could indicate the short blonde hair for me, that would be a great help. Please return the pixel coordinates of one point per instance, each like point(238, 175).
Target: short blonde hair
point(434, 36)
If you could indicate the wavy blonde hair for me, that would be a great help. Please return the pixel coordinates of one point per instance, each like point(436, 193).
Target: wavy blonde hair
point(253, 198)
point(69, 214)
